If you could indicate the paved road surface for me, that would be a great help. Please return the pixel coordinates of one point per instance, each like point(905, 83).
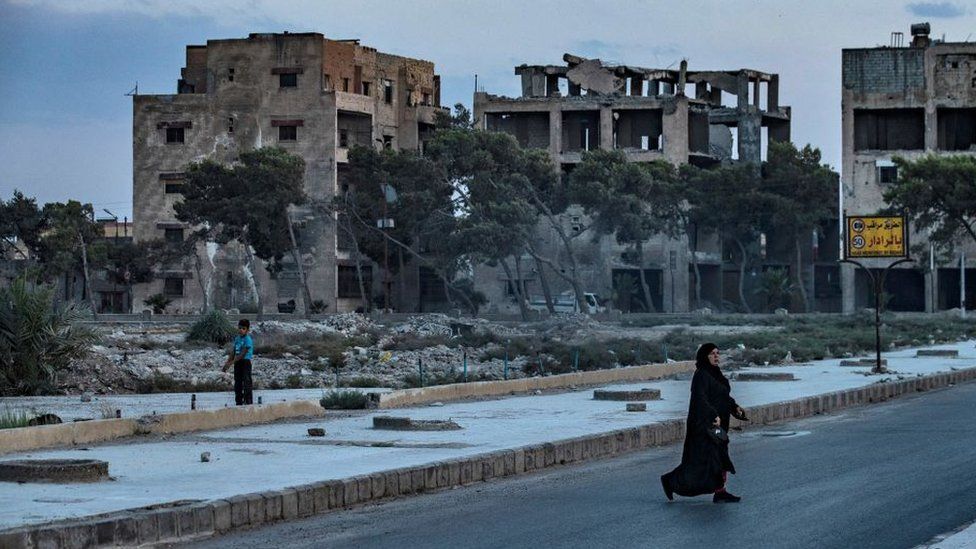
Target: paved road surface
point(892, 476)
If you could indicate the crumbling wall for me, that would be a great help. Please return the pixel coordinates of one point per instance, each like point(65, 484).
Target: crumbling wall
point(889, 129)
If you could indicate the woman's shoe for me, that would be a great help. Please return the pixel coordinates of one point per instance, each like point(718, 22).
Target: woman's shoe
point(725, 497)
point(667, 487)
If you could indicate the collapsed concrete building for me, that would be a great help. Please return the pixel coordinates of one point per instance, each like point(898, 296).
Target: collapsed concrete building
point(681, 116)
point(906, 101)
point(313, 96)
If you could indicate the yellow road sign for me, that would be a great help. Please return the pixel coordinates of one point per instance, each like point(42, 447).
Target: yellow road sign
point(876, 236)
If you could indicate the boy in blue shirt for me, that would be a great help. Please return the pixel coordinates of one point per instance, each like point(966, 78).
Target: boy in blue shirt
point(241, 357)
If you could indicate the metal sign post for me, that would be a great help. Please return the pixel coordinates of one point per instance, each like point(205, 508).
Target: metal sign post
point(867, 237)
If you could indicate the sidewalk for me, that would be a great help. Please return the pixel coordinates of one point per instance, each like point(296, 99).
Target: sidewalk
point(273, 457)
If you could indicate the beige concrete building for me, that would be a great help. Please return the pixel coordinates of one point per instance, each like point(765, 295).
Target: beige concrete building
point(681, 116)
point(907, 101)
point(308, 94)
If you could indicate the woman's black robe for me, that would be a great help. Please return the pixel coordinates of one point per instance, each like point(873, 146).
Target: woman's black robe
point(704, 461)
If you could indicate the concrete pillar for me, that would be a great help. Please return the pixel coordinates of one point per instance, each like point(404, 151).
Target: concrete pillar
point(675, 130)
point(701, 91)
point(742, 91)
point(555, 133)
point(526, 84)
point(538, 84)
point(772, 93)
point(552, 85)
point(931, 291)
point(574, 89)
point(756, 90)
point(715, 96)
point(750, 137)
point(636, 86)
point(606, 128)
point(847, 288)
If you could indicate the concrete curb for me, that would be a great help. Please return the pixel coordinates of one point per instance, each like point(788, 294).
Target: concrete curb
point(182, 521)
point(460, 391)
point(87, 432)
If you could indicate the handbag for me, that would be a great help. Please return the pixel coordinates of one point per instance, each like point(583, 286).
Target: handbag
point(718, 435)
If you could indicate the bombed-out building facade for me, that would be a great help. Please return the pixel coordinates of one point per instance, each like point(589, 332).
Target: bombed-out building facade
point(677, 115)
point(311, 95)
point(906, 100)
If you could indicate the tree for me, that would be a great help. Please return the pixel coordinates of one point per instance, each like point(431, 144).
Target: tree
point(21, 221)
point(70, 231)
point(729, 201)
point(938, 194)
point(248, 202)
point(38, 337)
point(632, 201)
point(802, 195)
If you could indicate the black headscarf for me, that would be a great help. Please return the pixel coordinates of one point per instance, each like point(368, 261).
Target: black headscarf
point(701, 361)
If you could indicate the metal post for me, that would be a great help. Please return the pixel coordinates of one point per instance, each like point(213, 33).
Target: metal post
point(541, 368)
point(962, 284)
point(464, 365)
point(193, 401)
point(505, 371)
point(878, 288)
point(420, 367)
point(386, 260)
point(664, 351)
point(575, 360)
point(638, 357)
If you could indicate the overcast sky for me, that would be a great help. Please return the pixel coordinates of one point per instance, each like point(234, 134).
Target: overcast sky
point(65, 123)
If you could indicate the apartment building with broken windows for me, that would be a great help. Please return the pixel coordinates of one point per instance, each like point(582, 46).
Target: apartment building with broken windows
point(681, 116)
point(311, 95)
point(906, 101)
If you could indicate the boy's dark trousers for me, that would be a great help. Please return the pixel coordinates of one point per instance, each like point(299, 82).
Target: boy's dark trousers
point(242, 382)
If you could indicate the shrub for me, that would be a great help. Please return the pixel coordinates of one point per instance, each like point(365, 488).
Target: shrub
point(158, 302)
point(213, 328)
point(344, 400)
point(414, 342)
point(293, 381)
point(38, 337)
point(12, 419)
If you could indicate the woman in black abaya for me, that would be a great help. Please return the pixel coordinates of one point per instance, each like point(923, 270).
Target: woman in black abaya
point(705, 462)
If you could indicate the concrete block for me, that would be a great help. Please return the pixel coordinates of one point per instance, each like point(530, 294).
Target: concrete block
point(203, 518)
point(636, 407)
point(454, 473)
point(467, 477)
point(255, 509)
point(508, 459)
point(126, 532)
point(306, 500)
point(365, 484)
point(78, 536)
point(443, 474)
point(403, 478)
point(350, 491)
point(48, 538)
point(337, 494)
point(391, 487)
point(104, 532)
point(321, 498)
point(488, 467)
point(185, 523)
point(418, 480)
point(430, 477)
point(148, 527)
point(16, 539)
point(378, 488)
point(944, 353)
point(289, 504)
point(519, 454)
point(168, 524)
point(549, 454)
point(272, 506)
point(238, 511)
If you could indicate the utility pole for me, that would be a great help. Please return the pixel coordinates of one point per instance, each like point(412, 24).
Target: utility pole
point(962, 284)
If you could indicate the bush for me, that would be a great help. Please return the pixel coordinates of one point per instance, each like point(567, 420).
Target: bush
point(213, 328)
point(12, 419)
point(38, 338)
point(158, 302)
point(344, 400)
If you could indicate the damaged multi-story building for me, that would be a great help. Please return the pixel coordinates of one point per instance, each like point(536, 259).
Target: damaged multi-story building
point(313, 96)
point(681, 116)
point(906, 101)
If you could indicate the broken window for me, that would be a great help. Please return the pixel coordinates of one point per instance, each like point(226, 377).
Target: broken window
point(230, 125)
point(287, 133)
point(957, 129)
point(173, 287)
point(887, 172)
point(174, 135)
point(387, 141)
point(345, 85)
point(638, 129)
point(326, 81)
point(581, 130)
point(426, 99)
point(388, 92)
point(173, 236)
point(365, 88)
point(173, 187)
point(889, 129)
point(289, 80)
point(348, 281)
point(530, 129)
point(230, 74)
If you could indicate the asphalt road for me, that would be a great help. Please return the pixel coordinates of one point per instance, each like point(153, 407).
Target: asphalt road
point(892, 475)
